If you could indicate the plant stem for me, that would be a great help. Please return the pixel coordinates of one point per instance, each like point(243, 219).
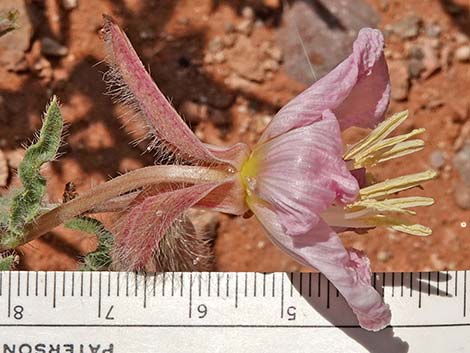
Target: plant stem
point(117, 186)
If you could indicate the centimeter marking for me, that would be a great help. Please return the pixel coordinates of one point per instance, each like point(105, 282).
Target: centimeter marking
point(288, 290)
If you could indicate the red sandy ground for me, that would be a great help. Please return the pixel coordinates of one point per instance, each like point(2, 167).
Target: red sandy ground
point(98, 148)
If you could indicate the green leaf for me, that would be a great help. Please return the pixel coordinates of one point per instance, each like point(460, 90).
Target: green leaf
point(100, 259)
point(8, 262)
point(26, 203)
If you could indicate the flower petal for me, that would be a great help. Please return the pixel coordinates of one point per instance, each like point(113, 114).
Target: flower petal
point(301, 173)
point(347, 270)
point(132, 84)
point(357, 90)
point(142, 227)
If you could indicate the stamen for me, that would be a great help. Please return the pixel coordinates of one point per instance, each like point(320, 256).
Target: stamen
point(392, 186)
point(378, 134)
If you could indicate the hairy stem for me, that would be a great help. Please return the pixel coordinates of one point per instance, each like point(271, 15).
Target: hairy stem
point(117, 186)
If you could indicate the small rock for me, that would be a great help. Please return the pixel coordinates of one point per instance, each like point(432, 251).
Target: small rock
point(193, 112)
point(15, 43)
point(261, 244)
point(4, 172)
point(215, 45)
point(462, 54)
point(15, 157)
point(407, 28)
point(229, 40)
point(51, 47)
point(437, 159)
point(433, 30)
point(415, 67)
point(400, 80)
point(245, 27)
point(416, 52)
point(328, 29)
point(431, 61)
point(270, 65)
point(229, 27)
point(462, 195)
point(147, 34)
point(245, 60)
point(462, 163)
point(248, 13)
point(384, 255)
point(69, 4)
point(219, 57)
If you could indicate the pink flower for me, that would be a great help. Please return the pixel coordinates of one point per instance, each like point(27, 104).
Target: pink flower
point(296, 180)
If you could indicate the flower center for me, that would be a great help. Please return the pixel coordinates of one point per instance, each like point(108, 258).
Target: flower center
point(249, 172)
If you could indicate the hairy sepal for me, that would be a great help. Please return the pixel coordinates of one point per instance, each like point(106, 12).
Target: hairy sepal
point(153, 216)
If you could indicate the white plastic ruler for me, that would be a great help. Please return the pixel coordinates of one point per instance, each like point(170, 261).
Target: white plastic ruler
point(103, 312)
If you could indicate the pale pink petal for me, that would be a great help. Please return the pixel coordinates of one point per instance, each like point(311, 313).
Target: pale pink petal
point(302, 172)
point(347, 270)
point(357, 90)
point(140, 229)
point(134, 85)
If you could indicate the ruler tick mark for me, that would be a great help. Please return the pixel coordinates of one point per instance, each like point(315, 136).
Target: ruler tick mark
point(181, 284)
point(73, 284)
point(301, 283)
point(36, 290)
point(282, 295)
point(402, 280)
point(63, 283)
point(18, 284)
point(254, 284)
point(419, 290)
point(227, 286)
point(264, 284)
point(163, 283)
point(45, 284)
point(274, 285)
point(411, 284)
point(465, 294)
point(136, 284)
point(118, 284)
point(99, 294)
point(54, 292)
point(9, 294)
point(327, 294)
point(246, 284)
point(429, 284)
point(456, 280)
point(81, 284)
point(310, 284)
point(91, 284)
point(27, 284)
point(109, 283)
point(190, 294)
point(209, 280)
point(291, 275)
point(154, 289)
point(145, 290)
point(447, 283)
point(199, 285)
point(172, 284)
point(319, 285)
point(127, 284)
point(236, 289)
point(393, 284)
